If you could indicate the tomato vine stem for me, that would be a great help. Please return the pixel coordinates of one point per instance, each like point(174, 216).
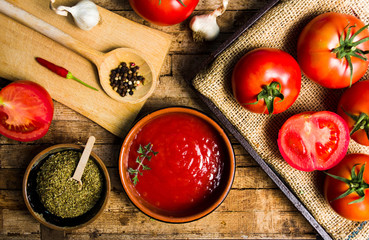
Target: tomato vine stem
point(361, 122)
point(355, 185)
point(348, 48)
point(269, 93)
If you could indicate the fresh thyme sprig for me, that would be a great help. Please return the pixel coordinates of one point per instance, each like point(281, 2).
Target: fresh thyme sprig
point(144, 153)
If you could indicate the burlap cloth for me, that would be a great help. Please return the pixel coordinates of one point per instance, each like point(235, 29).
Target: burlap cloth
point(279, 28)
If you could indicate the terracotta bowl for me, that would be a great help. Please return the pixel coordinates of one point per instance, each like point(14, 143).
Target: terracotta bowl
point(36, 208)
point(180, 216)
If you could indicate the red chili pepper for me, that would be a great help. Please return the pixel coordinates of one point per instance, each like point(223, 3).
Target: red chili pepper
point(61, 71)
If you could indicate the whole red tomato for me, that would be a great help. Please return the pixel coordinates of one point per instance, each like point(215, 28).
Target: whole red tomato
point(313, 140)
point(26, 111)
point(164, 12)
point(327, 50)
point(351, 177)
point(353, 107)
point(266, 80)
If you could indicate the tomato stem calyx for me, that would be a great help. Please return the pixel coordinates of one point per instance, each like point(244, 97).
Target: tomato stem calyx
point(356, 184)
point(361, 122)
point(269, 93)
point(348, 48)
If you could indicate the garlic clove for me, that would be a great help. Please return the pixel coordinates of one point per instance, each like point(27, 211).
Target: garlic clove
point(204, 27)
point(85, 13)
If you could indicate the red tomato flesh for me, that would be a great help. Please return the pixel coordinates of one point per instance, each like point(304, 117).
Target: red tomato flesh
point(314, 140)
point(188, 167)
point(26, 111)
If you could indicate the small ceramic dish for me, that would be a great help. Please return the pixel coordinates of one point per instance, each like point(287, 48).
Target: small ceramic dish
point(178, 185)
point(113, 59)
point(37, 209)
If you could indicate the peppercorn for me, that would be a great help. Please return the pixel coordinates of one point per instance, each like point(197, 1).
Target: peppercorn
point(124, 79)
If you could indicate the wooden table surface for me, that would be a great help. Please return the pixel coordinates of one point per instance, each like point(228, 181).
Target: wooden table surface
point(254, 209)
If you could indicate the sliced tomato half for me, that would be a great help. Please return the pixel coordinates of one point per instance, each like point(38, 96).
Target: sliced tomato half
point(26, 111)
point(314, 140)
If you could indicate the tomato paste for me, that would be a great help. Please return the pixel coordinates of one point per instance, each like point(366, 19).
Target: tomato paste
point(189, 164)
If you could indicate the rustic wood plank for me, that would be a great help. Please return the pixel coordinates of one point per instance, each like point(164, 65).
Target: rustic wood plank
point(11, 199)
point(102, 236)
point(1, 221)
point(15, 236)
point(257, 216)
point(9, 178)
point(19, 222)
point(51, 234)
point(215, 225)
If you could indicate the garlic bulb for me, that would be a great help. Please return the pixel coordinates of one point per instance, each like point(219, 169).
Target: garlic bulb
point(205, 27)
point(85, 13)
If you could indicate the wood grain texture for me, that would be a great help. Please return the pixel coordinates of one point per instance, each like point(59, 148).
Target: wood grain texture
point(254, 209)
point(18, 53)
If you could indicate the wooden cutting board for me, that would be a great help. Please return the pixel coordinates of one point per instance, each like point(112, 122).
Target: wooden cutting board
point(20, 45)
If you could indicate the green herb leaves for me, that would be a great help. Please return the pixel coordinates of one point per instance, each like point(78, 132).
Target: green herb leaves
point(145, 152)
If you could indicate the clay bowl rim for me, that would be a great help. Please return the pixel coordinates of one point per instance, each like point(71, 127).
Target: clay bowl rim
point(43, 154)
point(126, 182)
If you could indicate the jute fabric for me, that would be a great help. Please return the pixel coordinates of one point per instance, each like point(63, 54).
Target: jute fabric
point(280, 28)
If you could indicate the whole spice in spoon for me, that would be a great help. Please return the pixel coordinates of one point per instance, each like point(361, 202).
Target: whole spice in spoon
point(61, 71)
point(85, 13)
point(205, 27)
point(124, 79)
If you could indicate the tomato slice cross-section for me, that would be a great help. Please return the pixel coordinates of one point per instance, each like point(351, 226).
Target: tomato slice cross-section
point(314, 140)
point(26, 111)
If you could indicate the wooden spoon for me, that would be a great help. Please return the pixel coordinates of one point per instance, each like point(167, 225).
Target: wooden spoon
point(104, 62)
point(83, 161)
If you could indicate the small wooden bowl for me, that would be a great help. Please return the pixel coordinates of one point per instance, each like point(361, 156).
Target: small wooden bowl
point(36, 208)
point(113, 59)
point(177, 216)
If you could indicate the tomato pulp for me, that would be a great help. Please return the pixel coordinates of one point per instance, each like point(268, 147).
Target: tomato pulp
point(26, 111)
point(188, 167)
point(314, 140)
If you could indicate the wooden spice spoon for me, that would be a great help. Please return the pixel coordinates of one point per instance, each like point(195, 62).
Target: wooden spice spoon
point(83, 161)
point(105, 62)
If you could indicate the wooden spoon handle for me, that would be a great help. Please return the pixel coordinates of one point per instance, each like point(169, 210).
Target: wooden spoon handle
point(50, 31)
point(84, 158)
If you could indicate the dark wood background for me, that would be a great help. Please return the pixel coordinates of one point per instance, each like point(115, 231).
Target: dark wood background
point(254, 209)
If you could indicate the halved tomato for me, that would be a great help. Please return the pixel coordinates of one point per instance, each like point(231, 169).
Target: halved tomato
point(26, 111)
point(314, 140)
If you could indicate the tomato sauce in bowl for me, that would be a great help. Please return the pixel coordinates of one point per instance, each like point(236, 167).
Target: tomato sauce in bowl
point(192, 171)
